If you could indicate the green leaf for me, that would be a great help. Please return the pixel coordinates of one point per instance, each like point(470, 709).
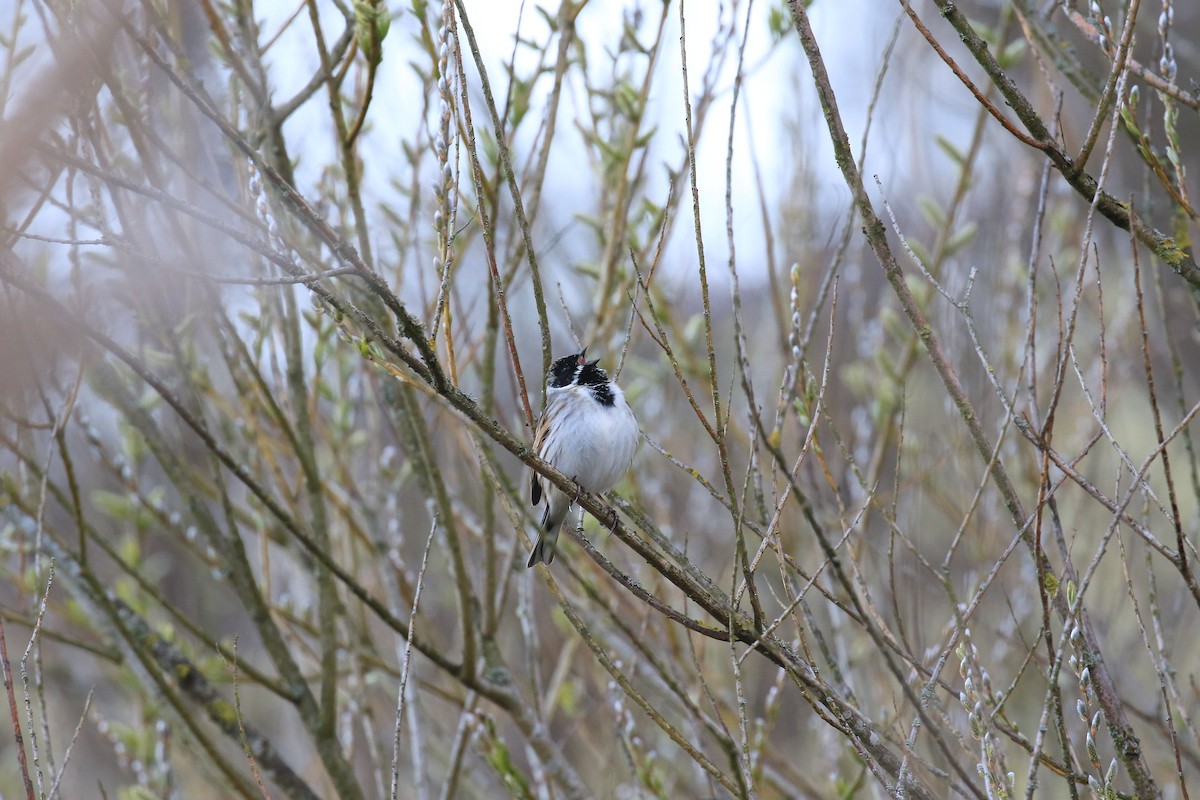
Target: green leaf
point(22, 55)
point(932, 211)
point(919, 250)
point(949, 149)
point(133, 444)
point(779, 22)
point(500, 760)
point(1011, 54)
point(114, 506)
point(627, 100)
point(961, 238)
point(986, 32)
point(130, 551)
point(551, 22)
point(156, 496)
point(521, 91)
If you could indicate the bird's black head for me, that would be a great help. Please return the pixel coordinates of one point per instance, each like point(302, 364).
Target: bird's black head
point(591, 375)
point(565, 369)
point(576, 370)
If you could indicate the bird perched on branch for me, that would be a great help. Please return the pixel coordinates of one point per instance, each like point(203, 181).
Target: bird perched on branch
point(588, 432)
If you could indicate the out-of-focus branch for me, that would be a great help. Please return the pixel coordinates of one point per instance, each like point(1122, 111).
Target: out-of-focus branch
point(874, 230)
point(1168, 250)
point(510, 176)
point(170, 670)
point(55, 90)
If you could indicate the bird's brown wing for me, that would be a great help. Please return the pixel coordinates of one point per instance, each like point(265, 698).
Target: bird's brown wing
point(545, 424)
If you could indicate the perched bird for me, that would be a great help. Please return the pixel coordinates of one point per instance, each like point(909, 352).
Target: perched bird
point(588, 432)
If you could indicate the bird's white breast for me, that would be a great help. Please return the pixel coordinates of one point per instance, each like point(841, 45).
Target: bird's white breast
point(592, 443)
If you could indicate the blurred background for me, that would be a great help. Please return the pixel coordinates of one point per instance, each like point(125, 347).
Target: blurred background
point(915, 509)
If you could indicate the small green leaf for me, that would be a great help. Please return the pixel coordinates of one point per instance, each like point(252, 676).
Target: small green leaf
point(919, 250)
point(1012, 53)
point(117, 507)
point(931, 210)
point(21, 55)
point(949, 149)
point(130, 551)
point(549, 19)
point(133, 445)
point(779, 23)
point(961, 238)
point(156, 496)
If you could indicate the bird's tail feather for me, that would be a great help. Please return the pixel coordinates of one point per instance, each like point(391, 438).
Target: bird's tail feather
point(543, 551)
point(544, 548)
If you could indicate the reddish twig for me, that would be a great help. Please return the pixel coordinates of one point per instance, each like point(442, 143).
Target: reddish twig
point(16, 719)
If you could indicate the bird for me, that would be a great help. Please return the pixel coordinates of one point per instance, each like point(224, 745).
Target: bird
point(587, 431)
